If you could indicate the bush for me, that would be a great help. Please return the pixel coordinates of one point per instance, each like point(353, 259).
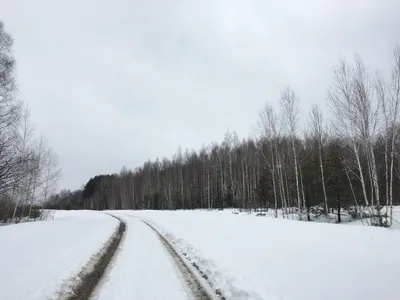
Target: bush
point(5, 209)
point(24, 213)
point(357, 213)
point(317, 211)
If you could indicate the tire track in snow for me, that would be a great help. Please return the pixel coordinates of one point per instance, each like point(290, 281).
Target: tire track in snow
point(94, 270)
point(198, 290)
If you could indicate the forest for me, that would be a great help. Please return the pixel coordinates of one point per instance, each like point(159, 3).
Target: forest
point(342, 157)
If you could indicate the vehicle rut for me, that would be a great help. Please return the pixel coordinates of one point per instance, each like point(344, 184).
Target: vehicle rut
point(91, 279)
point(194, 285)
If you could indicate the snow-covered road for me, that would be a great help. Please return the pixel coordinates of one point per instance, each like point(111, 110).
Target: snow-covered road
point(51, 260)
point(142, 269)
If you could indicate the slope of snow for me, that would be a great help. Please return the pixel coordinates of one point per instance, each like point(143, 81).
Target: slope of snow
point(252, 257)
point(38, 259)
point(141, 269)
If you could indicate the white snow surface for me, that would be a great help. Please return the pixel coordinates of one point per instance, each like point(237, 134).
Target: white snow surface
point(40, 260)
point(142, 268)
point(250, 257)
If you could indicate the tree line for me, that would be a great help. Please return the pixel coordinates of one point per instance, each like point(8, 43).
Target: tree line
point(348, 162)
point(29, 168)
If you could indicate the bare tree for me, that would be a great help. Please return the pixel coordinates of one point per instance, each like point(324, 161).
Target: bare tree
point(346, 118)
point(10, 109)
point(367, 115)
point(389, 97)
point(25, 157)
point(290, 105)
point(268, 125)
point(21, 158)
point(317, 127)
point(356, 111)
point(395, 105)
point(51, 173)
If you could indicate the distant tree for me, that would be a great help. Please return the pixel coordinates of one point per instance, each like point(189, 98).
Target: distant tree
point(348, 165)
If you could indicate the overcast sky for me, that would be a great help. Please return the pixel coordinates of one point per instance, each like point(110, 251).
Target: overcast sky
point(113, 83)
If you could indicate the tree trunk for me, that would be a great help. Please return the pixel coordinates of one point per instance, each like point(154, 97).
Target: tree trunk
point(376, 184)
point(302, 192)
point(361, 174)
point(352, 189)
point(297, 179)
point(323, 179)
point(391, 185)
point(308, 204)
point(338, 203)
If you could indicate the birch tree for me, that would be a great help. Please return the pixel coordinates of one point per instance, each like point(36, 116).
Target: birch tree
point(268, 126)
point(345, 116)
point(10, 109)
point(290, 105)
point(394, 108)
point(356, 117)
point(389, 97)
point(25, 156)
point(51, 173)
point(367, 121)
point(316, 118)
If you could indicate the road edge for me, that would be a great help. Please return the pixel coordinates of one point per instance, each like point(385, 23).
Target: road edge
point(92, 273)
point(191, 268)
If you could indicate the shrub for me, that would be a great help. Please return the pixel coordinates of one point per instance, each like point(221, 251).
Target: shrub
point(23, 213)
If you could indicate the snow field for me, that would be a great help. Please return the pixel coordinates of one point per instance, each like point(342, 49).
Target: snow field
point(250, 257)
point(40, 260)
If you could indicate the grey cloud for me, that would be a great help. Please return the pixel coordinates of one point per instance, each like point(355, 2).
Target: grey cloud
point(114, 83)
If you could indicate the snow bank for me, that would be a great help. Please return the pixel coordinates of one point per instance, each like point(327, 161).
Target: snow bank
point(252, 257)
point(39, 259)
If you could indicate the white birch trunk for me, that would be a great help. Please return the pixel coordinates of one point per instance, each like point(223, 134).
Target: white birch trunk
point(356, 153)
point(297, 180)
point(321, 167)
